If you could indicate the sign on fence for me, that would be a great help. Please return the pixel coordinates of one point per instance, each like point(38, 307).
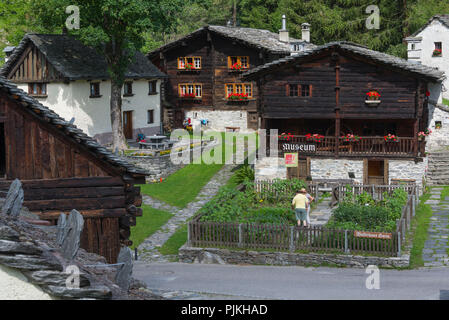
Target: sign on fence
point(373, 235)
point(299, 147)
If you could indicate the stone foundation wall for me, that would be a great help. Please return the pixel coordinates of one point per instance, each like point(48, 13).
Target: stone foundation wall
point(159, 166)
point(408, 169)
point(219, 120)
point(225, 256)
point(270, 168)
point(336, 169)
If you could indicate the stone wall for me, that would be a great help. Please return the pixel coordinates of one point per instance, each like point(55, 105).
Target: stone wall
point(269, 168)
point(225, 256)
point(336, 169)
point(219, 120)
point(158, 166)
point(439, 137)
point(408, 169)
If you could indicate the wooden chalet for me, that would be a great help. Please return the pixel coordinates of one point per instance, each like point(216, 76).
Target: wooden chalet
point(204, 68)
point(325, 91)
point(62, 168)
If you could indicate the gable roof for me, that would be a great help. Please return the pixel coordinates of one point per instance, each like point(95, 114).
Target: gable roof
point(376, 56)
point(48, 116)
point(258, 38)
point(443, 18)
point(76, 61)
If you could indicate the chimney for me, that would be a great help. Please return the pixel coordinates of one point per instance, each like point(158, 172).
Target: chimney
point(8, 52)
point(305, 27)
point(283, 33)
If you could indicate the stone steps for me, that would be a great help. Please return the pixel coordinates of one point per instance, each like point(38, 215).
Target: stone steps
point(438, 168)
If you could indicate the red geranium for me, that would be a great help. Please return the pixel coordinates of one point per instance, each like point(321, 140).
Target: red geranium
point(238, 96)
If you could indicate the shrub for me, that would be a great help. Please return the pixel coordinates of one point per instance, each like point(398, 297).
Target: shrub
point(245, 173)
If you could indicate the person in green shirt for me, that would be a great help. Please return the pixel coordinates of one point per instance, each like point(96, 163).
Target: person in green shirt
point(300, 203)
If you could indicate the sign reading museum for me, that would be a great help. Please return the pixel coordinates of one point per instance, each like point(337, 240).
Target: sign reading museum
point(299, 147)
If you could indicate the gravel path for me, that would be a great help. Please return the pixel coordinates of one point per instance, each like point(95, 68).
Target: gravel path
point(148, 249)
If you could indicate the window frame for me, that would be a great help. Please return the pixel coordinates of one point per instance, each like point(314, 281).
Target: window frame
point(239, 61)
point(150, 119)
point(234, 91)
point(126, 86)
point(195, 85)
point(150, 92)
point(193, 62)
point(39, 86)
point(97, 93)
point(299, 89)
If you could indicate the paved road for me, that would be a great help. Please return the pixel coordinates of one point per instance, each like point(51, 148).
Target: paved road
point(297, 283)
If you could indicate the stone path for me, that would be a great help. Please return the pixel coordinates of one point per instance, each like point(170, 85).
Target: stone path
point(436, 247)
point(148, 249)
point(321, 213)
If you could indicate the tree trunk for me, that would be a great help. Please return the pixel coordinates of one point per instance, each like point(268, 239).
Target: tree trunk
point(234, 14)
point(118, 138)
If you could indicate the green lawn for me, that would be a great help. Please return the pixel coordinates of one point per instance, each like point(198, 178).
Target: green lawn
point(147, 224)
point(446, 102)
point(420, 225)
point(176, 241)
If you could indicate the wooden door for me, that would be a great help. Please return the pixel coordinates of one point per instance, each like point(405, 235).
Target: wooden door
point(179, 119)
point(128, 124)
point(375, 172)
point(300, 172)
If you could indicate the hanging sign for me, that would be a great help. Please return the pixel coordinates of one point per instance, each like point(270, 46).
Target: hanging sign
point(291, 160)
point(299, 147)
point(373, 235)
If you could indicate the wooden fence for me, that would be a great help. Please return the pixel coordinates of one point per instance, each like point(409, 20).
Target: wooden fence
point(315, 238)
point(267, 186)
point(292, 238)
point(377, 192)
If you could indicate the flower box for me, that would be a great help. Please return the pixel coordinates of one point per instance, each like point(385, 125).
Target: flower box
point(237, 97)
point(437, 53)
point(372, 98)
point(372, 102)
point(391, 138)
point(351, 138)
point(314, 137)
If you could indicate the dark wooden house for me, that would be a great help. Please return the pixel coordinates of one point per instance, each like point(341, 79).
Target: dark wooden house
point(204, 69)
point(326, 91)
point(62, 168)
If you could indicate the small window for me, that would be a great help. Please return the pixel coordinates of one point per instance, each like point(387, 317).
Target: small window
point(239, 88)
point(190, 90)
point(293, 90)
point(413, 46)
point(37, 89)
point(152, 87)
point(94, 89)
point(438, 51)
point(150, 116)
point(305, 90)
point(128, 89)
point(189, 63)
point(238, 63)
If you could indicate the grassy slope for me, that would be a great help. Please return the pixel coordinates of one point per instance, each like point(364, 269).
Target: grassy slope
point(421, 223)
point(446, 101)
point(147, 224)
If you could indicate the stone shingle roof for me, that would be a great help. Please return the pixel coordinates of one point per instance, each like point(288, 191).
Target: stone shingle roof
point(443, 18)
point(49, 116)
point(376, 56)
point(76, 61)
point(259, 38)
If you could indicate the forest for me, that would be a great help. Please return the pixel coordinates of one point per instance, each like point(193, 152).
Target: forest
point(168, 20)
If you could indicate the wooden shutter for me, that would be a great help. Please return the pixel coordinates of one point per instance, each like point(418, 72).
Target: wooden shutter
point(310, 90)
point(287, 90)
point(299, 90)
point(365, 171)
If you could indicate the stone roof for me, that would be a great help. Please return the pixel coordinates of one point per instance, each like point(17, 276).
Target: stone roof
point(76, 61)
point(443, 18)
point(258, 38)
point(49, 116)
point(376, 56)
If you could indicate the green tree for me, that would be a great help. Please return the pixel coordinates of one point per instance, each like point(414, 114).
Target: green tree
point(115, 28)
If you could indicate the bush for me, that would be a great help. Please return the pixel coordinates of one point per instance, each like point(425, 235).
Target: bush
point(245, 173)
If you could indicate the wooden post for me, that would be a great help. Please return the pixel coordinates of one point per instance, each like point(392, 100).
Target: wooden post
point(292, 241)
point(337, 102)
point(188, 234)
point(346, 242)
point(240, 235)
point(399, 244)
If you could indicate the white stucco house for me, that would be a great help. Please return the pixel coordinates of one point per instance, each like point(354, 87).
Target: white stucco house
point(72, 79)
point(430, 46)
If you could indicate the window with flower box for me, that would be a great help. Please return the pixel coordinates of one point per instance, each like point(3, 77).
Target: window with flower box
point(238, 63)
point(242, 90)
point(190, 90)
point(438, 51)
point(189, 63)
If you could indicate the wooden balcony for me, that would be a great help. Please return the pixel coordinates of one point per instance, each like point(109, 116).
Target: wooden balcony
point(405, 147)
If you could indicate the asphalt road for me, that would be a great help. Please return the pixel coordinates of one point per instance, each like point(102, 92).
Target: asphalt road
point(292, 283)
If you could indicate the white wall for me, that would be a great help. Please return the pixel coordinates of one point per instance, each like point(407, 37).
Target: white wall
point(14, 286)
point(434, 32)
point(92, 115)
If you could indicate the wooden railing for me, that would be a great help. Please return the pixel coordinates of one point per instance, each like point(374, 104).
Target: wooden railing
point(404, 223)
point(326, 146)
point(377, 192)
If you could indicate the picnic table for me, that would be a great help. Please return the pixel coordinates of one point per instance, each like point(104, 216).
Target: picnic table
point(156, 142)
